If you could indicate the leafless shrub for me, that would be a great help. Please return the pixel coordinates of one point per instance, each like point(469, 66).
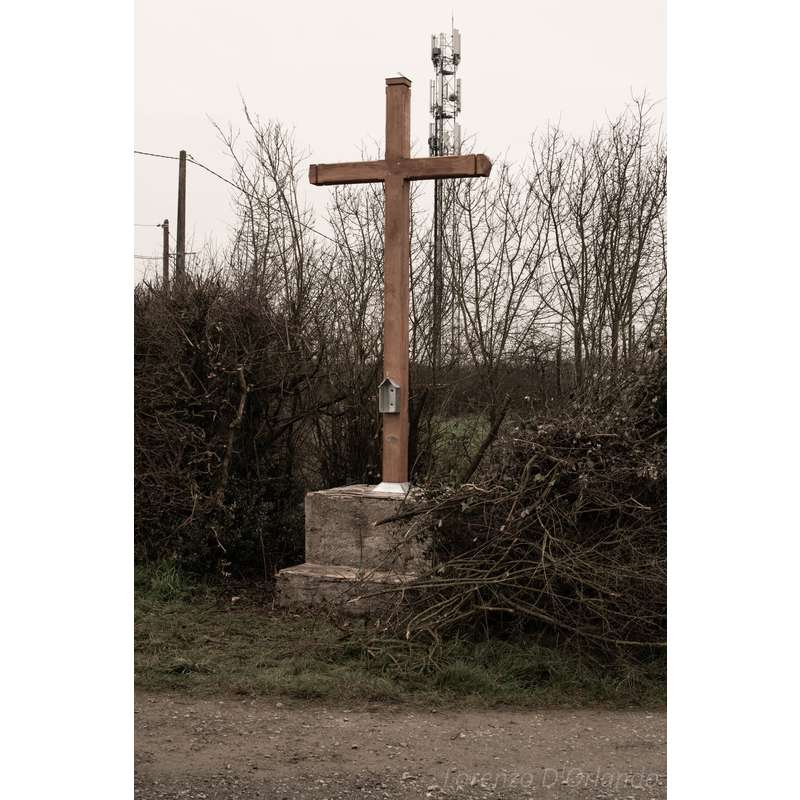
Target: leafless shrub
point(562, 531)
point(255, 378)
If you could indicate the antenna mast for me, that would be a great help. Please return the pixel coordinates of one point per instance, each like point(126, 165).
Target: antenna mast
point(445, 133)
point(444, 139)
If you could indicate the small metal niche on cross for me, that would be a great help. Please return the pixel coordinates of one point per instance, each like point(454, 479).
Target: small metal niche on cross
point(395, 171)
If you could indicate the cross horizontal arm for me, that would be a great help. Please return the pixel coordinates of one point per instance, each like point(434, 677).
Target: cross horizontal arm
point(414, 169)
point(347, 172)
point(422, 169)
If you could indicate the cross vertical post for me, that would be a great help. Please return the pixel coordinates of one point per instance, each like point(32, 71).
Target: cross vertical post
point(396, 170)
point(396, 258)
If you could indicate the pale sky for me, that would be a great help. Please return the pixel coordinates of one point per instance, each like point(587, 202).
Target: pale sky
point(320, 67)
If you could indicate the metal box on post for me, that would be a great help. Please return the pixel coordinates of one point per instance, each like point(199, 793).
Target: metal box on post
point(388, 397)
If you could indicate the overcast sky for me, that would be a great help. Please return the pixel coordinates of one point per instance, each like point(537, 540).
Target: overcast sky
point(320, 67)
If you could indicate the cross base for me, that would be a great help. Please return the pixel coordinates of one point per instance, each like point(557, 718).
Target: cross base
point(351, 555)
point(352, 592)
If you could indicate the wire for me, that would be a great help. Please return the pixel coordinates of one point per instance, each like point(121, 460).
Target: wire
point(155, 155)
point(260, 199)
point(171, 255)
point(239, 189)
point(171, 236)
point(208, 169)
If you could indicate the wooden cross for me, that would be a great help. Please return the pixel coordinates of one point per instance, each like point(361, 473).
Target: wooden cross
point(396, 170)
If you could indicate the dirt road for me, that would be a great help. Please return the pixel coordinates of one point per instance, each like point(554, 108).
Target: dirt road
point(267, 748)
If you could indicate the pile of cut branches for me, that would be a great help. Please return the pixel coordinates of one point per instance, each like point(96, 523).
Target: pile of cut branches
point(562, 531)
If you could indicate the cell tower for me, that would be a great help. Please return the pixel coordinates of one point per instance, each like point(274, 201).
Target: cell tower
point(444, 139)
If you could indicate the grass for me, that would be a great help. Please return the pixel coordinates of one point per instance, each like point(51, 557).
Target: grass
point(455, 442)
point(193, 638)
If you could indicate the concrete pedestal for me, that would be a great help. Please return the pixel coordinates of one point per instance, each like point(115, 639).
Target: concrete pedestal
point(348, 556)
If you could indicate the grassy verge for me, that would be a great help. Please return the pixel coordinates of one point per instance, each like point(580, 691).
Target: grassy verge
point(194, 638)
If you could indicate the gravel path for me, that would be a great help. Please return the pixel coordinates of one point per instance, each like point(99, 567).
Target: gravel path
point(210, 749)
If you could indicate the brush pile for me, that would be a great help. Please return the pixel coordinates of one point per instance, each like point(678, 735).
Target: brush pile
point(563, 530)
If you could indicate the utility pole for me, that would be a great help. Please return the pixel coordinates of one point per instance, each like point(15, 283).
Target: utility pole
point(180, 256)
point(165, 265)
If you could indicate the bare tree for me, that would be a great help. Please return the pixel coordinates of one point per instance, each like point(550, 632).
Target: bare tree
point(606, 200)
point(498, 273)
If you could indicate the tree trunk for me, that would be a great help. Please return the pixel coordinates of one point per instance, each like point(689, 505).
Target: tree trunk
point(578, 357)
point(558, 372)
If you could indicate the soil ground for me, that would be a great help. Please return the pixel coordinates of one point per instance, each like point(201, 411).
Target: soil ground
point(274, 748)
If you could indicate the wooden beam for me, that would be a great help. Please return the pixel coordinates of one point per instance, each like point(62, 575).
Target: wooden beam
point(347, 172)
point(396, 258)
point(414, 169)
point(421, 169)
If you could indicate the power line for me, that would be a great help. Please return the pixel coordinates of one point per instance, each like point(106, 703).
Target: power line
point(239, 189)
point(259, 199)
point(153, 225)
point(208, 169)
point(154, 155)
point(158, 258)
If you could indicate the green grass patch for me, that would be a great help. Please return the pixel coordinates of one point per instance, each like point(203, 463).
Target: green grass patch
point(455, 440)
point(193, 638)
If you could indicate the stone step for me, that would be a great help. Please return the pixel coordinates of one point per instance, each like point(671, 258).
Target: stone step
point(350, 590)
